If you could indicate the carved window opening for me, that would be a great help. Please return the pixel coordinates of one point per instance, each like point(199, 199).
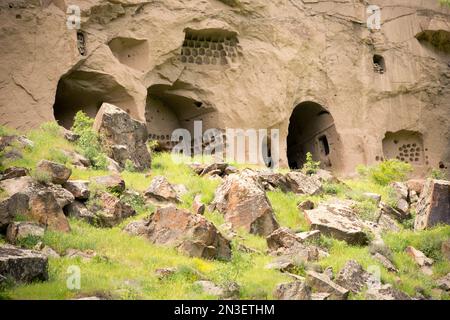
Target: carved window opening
point(379, 65)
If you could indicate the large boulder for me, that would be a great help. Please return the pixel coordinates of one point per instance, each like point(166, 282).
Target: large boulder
point(14, 172)
point(124, 138)
point(434, 205)
point(79, 210)
point(78, 188)
point(243, 201)
point(321, 283)
point(16, 204)
point(112, 183)
point(353, 277)
point(161, 191)
point(108, 210)
point(45, 202)
point(191, 233)
point(58, 173)
point(18, 231)
point(22, 265)
point(385, 292)
point(283, 238)
point(297, 290)
point(301, 183)
point(272, 180)
point(401, 194)
point(338, 219)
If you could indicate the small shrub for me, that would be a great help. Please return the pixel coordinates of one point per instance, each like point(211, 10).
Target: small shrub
point(437, 174)
point(129, 166)
point(310, 166)
point(89, 141)
point(386, 171)
point(153, 145)
point(367, 210)
point(41, 176)
point(29, 242)
point(58, 156)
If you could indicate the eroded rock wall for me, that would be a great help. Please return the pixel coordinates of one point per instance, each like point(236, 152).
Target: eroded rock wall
point(278, 55)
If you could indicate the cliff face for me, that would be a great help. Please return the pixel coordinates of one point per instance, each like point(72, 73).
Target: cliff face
point(310, 68)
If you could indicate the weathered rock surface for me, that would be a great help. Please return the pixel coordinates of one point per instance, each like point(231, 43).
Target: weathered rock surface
point(231, 291)
point(109, 210)
point(402, 196)
point(57, 173)
point(17, 204)
point(385, 262)
point(78, 188)
point(244, 203)
point(306, 205)
point(161, 191)
point(301, 183)
point(296, 290)
point(434, 205)
point(22, 265)
point(18, 231)
point(77, 159)
point(14, 172)
point(79, 210)
point(421, 260)
point(322, 283)
point(385, 292)
point(352, 277)
point(190, 233)
point(338, 219)
point(282, 238)
point(124, 137)
point(272, 180)
point(113, 183)
point(387, 210)
point(197, 206)
point(445, 249)
point(444, 282)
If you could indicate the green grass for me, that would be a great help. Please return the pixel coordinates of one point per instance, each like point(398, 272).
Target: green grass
point(286, 212)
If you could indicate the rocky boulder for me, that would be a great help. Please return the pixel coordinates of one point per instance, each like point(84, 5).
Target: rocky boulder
point(353, 277)
point(22, 265)
point(57, 173)
point(402, 196)
point(14, 172)
point(112, 183)
point(79, 210)
point(301, 183)
point(272, 180)
point(445, 249)
point(297, 290)
point(124, 138)
point(322, 283)
point(197, 206)
point(433, 206)
point(190, 233)
point(161, 191)
point(78, 188)
point(109, 210)
point(18, 231)
point(338, 219)
point(228, 291)
point(243, 201)
point(16, 204)
point(385, 292)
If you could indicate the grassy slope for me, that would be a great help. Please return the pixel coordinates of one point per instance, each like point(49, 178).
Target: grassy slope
point(125, 265)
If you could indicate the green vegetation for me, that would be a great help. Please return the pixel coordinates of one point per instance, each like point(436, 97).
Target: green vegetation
point(310, 166)
point(124, 267)
point(89, 142)
point(386, 171)
point(445, 2)
point(438, 174)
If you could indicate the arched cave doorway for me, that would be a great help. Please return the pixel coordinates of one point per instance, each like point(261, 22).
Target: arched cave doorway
point(171, 107)
point(86, 90)
point(312, 129)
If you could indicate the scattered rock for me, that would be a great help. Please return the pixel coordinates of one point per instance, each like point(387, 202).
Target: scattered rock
point(320, 296)
point(306, 205)
point(398, 215)
point(79, 210)
point(401, 194)
point(161, 191)
point(49, 252)
point(57, 173)
point(385, 262)
point(243, 201)
point(385, 292)
point(86, 255)
point(322, 283)
point(124, 137)
point(70, 135)
point(352, 277)
point(14, 172)
point(282, 238)
point(63, 197)
point(329, 273)
point(10, 207)
point(301, 183)
point(110, 210)
point(214, 168)
point(197, 206)
point(325, 176)
point(113, 183)
point(78, 188)
point(338, 220)
point(309, 235)
point(415, 185)
point(22, 265)
point(296, 290)
point(77, 159)
point(433, 206)
point(190, 233)
point(271, 180)
point(282, 264)
point(165, 272)
point(420, 259)
point(229, 292)
point(113, 166)
point(18, 231)
point(444, 282)
point(137, 228)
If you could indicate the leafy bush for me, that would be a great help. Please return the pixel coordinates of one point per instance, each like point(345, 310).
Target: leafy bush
point(129, 166)
point(310, 166)
point(386, 171)
point(437, 174)
point(89, 141)
point(367, 210)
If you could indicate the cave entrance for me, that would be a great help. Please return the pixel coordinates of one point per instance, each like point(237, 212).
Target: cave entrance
point(171, 107)
point(86, 91)
point(312, 129)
